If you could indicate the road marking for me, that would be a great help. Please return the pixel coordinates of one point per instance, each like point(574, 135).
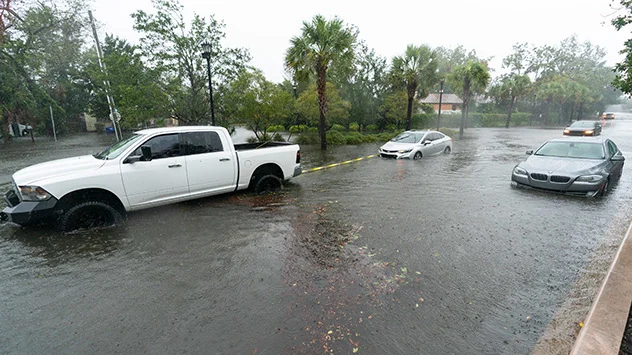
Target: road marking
point(338, 164)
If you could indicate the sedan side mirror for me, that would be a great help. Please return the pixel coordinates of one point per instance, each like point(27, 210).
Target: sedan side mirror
point(426, 142)
point(529, 152)
point(617, 157)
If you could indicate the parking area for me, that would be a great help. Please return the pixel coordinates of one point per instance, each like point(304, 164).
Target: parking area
point(439, 255)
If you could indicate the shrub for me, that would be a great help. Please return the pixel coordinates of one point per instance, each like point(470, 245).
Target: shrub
point(278, 137)
point(276, 128)
point(390, 128)
point(307, 138)
point(99, 127)
point(298, 129)
point(449, 132)
point(354, 127)
point(354, 138)
point(336, 138)
point(312, 129)
point(371, 128)
point(337, 128)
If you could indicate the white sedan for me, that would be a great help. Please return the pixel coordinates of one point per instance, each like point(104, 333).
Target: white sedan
point(416, 145)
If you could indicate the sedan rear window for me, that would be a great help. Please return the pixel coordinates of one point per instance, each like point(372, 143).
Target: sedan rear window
point(581, 150)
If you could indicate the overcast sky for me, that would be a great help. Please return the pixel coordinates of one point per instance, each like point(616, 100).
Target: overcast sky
point(491, 27)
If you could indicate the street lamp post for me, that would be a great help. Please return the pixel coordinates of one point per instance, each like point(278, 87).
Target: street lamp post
point(440, 102)
point(206, 54)
point(294, 86)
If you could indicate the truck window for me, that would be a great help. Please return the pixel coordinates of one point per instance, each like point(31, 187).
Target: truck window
point(202, 142)
point(164, 146)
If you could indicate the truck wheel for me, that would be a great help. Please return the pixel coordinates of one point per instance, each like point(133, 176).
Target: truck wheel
point(89, 214)
point(268, 183)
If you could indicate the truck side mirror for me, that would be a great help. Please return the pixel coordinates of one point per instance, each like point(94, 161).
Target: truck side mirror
point(146, 150)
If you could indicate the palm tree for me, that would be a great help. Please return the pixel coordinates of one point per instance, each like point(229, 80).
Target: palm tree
point(471, 77)
point(321, 44)
point(417, 71)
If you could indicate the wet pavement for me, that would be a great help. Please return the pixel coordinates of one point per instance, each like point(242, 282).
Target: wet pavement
point(434, 256)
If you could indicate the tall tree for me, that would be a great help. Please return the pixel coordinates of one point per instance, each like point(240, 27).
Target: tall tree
point(337, 108)
point(134, 87)
point(253, 101)
point(173, 48)
point(623, 79)
point(321, 43)
point(471, 77)
point(511, 88)
point(416, 71)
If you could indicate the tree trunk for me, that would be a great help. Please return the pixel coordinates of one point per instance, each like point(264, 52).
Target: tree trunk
point(511, 105)
point(466, 94)
point(409, 112)
point(322, 105)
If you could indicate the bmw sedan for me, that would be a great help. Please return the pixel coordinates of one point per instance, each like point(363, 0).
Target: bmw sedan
point(573, 165)
point(416, 145)
point(583, 128)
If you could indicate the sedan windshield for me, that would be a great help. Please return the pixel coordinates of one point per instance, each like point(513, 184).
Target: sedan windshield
point(117, 148)
point(583, 124)
point(407, 138)
point(581, 150)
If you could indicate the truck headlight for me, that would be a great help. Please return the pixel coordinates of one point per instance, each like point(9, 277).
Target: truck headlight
point(34, 193)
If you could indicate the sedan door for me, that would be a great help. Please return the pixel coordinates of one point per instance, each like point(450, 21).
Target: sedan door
point(161, 180)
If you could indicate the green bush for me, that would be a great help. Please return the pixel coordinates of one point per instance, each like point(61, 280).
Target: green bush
point(371, 128)
point(298, 129)
point(336, 138)
point(354, 138)
point(278, 137)
point(354, 127)
point(99, 127)
point(390, 128)
point(307, 138)
point(337, 128)
point(276, 128)
point(312, 129)
point(449, 132)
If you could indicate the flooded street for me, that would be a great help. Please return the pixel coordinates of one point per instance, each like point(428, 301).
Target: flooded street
point(436, 256)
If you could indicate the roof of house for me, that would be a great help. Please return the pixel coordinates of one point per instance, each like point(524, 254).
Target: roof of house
point(445, 99)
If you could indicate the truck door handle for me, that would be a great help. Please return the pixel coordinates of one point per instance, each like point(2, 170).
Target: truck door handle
point(175, 165)
point(224, 159)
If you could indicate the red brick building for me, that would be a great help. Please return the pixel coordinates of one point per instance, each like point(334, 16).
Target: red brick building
point(449, 102)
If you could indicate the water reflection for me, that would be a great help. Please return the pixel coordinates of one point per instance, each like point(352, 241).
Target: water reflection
point(54, 248)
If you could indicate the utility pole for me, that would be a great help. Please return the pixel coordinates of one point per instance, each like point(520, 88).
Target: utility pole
point(113, 112)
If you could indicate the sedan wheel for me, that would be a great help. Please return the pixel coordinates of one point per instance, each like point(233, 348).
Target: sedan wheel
point(417, 156)
point(447, 150)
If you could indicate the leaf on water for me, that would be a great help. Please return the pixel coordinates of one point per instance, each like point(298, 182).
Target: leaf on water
point(355, 350)
point(330, 332)
point(404, 270)
point(417, 272)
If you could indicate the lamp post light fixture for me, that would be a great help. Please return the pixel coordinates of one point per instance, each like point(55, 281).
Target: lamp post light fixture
point(206, 54)
point(440, 102)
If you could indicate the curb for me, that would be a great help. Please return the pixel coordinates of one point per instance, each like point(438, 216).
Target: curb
point(606, 321)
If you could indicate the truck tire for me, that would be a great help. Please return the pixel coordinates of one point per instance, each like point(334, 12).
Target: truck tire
point(89, 214)
point(268, 183)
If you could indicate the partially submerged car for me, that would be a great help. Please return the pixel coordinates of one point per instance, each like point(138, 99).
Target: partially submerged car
point(571, 165)
point(416, 145)
point(583, 128)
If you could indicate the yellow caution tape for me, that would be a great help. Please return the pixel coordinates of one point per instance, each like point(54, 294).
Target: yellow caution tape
point(338, 164)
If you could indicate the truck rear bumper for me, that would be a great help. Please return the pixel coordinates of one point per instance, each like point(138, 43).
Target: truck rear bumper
point(298, 170)
point(29, 212)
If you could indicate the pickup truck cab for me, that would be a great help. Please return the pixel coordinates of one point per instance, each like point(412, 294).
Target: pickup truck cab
point(153, 167)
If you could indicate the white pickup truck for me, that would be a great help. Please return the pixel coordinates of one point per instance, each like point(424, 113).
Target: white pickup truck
point(153, 167)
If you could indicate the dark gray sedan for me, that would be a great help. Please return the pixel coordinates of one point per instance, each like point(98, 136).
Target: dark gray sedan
point(583, 128)
point(573, 165)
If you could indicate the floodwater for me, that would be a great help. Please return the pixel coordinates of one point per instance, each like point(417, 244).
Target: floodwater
point(435, 256)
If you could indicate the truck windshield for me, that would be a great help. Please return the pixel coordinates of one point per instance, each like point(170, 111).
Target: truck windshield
point(117, 148)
